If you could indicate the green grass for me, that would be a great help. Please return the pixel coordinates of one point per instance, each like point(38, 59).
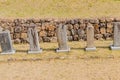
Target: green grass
point(59, 8)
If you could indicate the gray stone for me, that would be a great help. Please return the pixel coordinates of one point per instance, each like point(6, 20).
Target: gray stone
point(116, 41)
point(114, 48)
point(33, 40)
point(90, 38)
point(90, 49)
point(62, 38)
point(6, 42)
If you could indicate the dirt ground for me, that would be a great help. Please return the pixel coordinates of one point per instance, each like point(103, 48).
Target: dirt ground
point(69, 69)
point(102, 64)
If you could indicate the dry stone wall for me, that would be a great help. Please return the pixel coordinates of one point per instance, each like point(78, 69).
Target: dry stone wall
point(76, 28)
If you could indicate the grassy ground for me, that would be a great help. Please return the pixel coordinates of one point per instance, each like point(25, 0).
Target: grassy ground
point(77, 52)
point(59, 8)
point(93, 69)
point(102, 64)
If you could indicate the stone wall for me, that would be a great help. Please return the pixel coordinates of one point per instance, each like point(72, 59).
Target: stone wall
point(76, 28)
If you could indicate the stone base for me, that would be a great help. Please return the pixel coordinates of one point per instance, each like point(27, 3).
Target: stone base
point(114, 48)
point(35, 52)
point(66, 50)
point(90, 49)
point(11, 52)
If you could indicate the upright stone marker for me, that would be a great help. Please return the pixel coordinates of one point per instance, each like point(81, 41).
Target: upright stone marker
point(116, 40)
point(33, 40)
point(62, 39)
point(90, 38)
point(6, 43)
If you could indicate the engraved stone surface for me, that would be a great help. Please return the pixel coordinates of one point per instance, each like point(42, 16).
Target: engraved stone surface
point(116, 41)
point(33, 40)
point(90, 38)
point(62, 38)
point(6, 43)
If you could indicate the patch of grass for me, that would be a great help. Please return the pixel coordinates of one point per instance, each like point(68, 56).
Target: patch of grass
point(77, 52)
point(59, 8)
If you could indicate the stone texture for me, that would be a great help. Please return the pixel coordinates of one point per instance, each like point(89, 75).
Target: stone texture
point(62, 39)
point(6, 43)
point(47, 27)
point(33, 40)
point(116, 41)
point(90, 38)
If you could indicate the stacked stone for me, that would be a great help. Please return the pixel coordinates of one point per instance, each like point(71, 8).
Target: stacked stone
point(76, 28)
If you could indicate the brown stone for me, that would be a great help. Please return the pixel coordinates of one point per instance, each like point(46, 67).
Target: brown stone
point(98, 36)
point(46, 39)
point(17, 41)
point(68, 33)
point(82, 26)
point(109, 19)
point(69, 26)
point(76, 26)
point(70, 38)
point(24, 35)
point(39, 29)
point(16, 35)
point(96, 28)
point(50, 33)
point(103, 30)
point(102, 20)
point(109, 30)
point(50, 28)
point(75, 38)
point(17, 29)
point(53, 39)
point(42, 33)
point(94, 21)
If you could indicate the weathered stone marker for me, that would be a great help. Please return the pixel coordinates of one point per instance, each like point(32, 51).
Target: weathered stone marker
point(90, 38)
point(62, 38)
point(116, 40)
point(33, 40)
point(6, 43)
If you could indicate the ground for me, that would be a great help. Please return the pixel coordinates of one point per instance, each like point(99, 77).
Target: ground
point(59, 8)
point(74, 69)
point(102, 64)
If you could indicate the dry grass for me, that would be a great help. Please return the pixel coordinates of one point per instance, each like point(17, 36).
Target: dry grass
point(79, 69)
point(102, 64)
point(59, 8)
point(77, 52)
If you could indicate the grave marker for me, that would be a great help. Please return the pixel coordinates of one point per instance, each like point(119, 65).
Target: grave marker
point(6, 43)
point(90, 38)
point(62, 39)
point(33, 40)
point(116, 40)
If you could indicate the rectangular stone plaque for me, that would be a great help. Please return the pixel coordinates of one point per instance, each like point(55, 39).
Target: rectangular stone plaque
point(6, 43)
point(116, 40)
point(62, 39)
point(90, 38)
point(33, 40)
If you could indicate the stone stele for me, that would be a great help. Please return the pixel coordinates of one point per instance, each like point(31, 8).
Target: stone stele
point(90, 38)
point(62, 38)
point(116, 40)
point(33, 40)
point(6, 42)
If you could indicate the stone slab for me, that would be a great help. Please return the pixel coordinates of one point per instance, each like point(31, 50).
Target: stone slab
point(67, 50)
point(90, 49)
point(10, 52)
point(114, 48)
point(32, 52)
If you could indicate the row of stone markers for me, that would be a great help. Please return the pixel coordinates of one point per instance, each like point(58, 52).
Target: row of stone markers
point(7, 48)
